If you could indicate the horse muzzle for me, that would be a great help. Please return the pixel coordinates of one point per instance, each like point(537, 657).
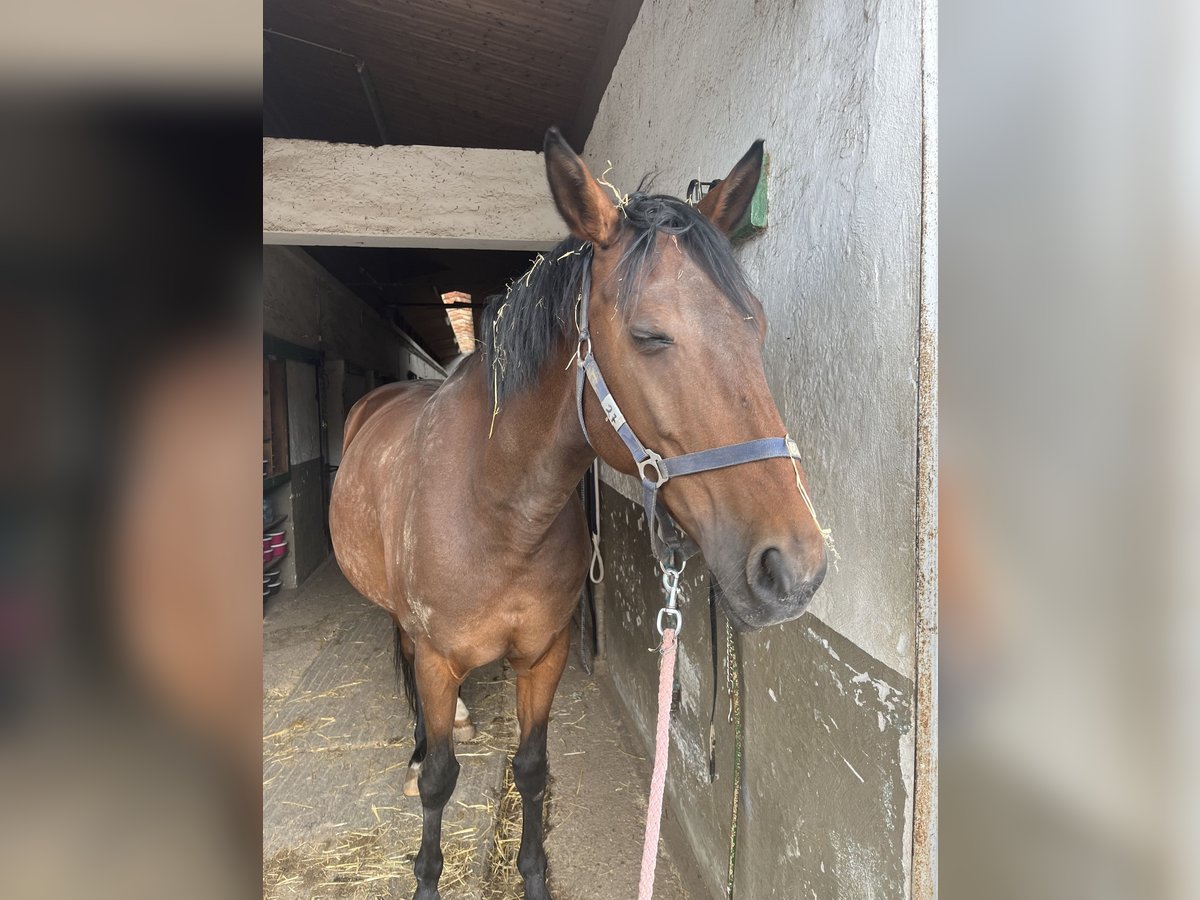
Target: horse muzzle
point(776, 586)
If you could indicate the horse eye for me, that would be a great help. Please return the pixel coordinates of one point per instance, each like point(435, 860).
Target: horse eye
point(650, 339)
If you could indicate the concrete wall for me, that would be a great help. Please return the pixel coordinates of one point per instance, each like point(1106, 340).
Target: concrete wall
point(836, 91)
point(304, 305)
point(349, 194)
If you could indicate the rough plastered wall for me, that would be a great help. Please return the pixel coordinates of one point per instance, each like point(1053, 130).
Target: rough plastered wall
point(835, 89)
point(349, 194)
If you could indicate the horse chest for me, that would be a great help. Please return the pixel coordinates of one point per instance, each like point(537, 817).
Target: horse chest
point(496, 582)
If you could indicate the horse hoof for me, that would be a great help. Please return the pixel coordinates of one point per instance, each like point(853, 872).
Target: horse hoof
point(424, 893)
point(410, 781)
point(535, 889)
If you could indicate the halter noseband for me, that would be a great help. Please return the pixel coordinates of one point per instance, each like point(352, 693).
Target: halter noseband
point(670, 544)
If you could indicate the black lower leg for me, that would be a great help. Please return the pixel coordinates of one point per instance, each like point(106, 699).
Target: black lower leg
point(439, 773)
point(419, 749)
point(530, 775)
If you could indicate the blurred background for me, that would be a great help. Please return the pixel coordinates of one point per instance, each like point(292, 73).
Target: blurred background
point(130, 321)
point(129, 318)
point(1067, 542)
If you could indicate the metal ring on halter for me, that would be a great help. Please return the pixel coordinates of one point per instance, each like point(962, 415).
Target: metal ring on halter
point(666, 611)
point(653, 459)
point(670, 578)
point(580, 356)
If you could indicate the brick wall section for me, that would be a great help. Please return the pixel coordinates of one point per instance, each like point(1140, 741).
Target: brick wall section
point(462, 321)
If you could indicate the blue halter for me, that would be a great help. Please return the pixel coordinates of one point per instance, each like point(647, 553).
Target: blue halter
point(670, 544)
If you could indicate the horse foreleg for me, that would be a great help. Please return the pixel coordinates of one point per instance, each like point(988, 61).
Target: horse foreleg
point(438, 691)
point(420, 748)
point(464, 730)
point(535, 693)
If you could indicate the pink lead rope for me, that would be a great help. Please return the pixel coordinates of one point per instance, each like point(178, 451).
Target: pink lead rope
point(662, 736)
point(658, 782)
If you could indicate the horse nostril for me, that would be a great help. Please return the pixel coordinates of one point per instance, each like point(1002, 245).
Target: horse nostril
point(774, 578)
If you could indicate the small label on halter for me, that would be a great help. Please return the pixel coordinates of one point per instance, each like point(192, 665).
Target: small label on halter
point(612, 411)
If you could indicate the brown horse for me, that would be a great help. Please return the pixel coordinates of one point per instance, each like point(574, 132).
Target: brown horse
point(455, 508)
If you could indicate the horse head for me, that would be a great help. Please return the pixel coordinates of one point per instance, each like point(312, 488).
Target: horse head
point(679, 334)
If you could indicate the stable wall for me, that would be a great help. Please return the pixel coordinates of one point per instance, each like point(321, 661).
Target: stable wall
point(836, 91)
point(306, 306)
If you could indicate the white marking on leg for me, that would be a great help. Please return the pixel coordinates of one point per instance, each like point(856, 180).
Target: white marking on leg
point(411, 787)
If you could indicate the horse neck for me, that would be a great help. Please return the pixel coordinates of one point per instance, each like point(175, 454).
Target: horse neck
point(536, 454)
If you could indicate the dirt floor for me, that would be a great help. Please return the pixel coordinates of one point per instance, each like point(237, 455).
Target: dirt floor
point(336, 741)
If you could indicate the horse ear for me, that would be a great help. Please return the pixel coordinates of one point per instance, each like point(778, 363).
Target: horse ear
point(728, 200)
point(582, 203)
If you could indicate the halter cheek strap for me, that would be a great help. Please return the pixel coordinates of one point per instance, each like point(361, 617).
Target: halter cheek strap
point(670, 544)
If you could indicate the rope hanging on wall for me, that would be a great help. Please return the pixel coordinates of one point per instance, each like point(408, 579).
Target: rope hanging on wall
point(733, 689)
point(733, 680)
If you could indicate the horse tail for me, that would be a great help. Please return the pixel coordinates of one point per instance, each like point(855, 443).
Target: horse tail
point(404, 670)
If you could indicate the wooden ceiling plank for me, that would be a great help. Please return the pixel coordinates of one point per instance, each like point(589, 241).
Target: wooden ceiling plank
point(366, 28)
point(486, 73)
point(566, 54)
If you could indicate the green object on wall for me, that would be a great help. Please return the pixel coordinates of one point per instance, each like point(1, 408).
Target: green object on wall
point(755, 220)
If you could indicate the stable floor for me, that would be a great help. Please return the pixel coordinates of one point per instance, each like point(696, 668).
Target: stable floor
point(337, 736)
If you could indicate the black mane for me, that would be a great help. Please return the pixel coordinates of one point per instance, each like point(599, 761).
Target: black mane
point(523, 326)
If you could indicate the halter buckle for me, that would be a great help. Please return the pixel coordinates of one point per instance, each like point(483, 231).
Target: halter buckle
point(652, 459)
